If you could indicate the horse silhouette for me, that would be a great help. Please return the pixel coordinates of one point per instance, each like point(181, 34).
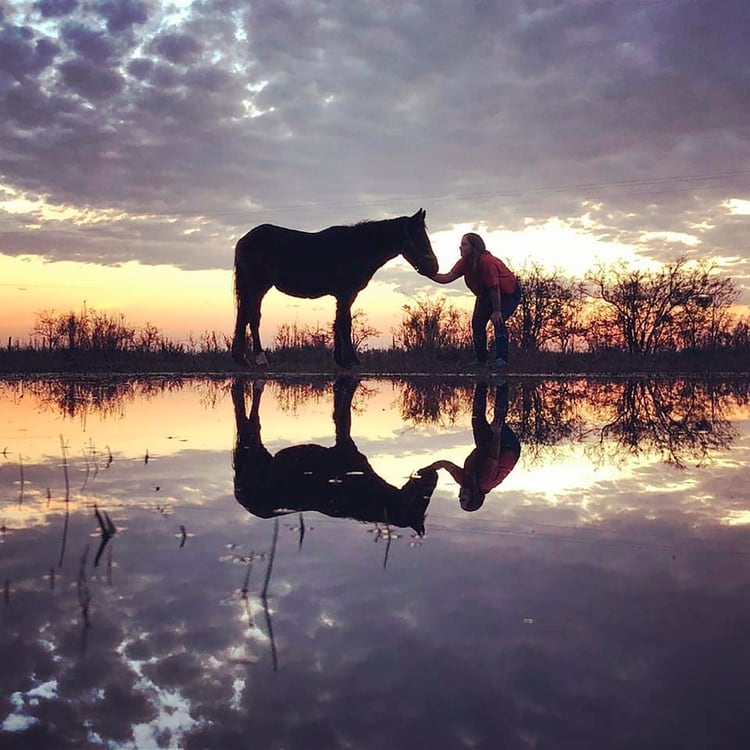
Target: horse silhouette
point(338, 261)
point(337, 481)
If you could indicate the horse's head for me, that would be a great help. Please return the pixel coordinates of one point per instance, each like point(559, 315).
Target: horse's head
point(417, 247)
point(416, 494)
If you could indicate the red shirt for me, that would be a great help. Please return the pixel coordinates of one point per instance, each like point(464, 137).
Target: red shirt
point(490, 271)
point(490, 472)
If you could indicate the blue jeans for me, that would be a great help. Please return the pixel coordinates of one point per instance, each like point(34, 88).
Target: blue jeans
point(481, 316)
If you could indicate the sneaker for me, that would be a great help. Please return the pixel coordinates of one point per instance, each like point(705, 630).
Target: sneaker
point(498, 364)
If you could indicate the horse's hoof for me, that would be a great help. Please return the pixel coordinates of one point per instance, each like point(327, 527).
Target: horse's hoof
point(347, 364)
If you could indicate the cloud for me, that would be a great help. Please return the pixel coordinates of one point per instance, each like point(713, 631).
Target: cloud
point(307, 115)
point(21, 55)
point(90, 80)
point(180, 49)
point(93, 46)
point(121, 15)
point(55, 8)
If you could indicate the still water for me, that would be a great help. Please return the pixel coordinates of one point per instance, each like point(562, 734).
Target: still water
point(548, 563)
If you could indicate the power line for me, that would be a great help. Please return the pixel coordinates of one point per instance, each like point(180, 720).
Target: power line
point(583, 191)
point(592, 190)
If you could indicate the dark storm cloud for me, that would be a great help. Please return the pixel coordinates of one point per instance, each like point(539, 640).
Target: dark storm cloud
point(90, 80)
point(21, 55)
point(27, 106)
point(122, 15)
point(180, 49)
point(94, 46)
point(309, 114)
point(54, 8)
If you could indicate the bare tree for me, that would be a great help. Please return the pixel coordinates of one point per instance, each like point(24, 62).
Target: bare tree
point(362, 331)
point(657, 310)
point(148, 338)
point(46, 327)
point(549, 312)
point(705, 320)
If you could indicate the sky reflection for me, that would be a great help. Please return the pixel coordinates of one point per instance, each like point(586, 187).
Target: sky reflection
point(596, 598)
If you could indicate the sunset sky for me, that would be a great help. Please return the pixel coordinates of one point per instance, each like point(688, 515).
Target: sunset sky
point(139, 140)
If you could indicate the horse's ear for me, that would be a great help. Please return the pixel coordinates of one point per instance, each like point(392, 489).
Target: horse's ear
point(420, 214)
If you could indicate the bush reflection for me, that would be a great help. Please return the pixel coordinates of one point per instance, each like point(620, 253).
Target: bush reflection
point(680, 419)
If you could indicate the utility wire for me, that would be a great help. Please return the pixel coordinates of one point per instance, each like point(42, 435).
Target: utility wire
point(592, 191)
point(584, 191)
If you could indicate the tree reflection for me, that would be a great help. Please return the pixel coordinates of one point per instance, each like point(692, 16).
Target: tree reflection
point(548, 412)
point(292, 396)
point(336, 481)
point(679, 419)
point(434, 401)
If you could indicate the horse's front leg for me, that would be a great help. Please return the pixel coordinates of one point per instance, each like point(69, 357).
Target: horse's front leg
point(343, 348)
point(254, 321)
point(247, 426)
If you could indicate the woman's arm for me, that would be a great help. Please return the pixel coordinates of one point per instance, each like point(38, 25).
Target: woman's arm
point(495, 299)
point(455, 471)
point(446, 278)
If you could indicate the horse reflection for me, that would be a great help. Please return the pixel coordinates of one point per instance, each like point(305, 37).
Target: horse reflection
point(336, 481)
point(496, 449)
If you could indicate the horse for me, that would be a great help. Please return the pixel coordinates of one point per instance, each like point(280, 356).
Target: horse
point(337, 481)
point(338, 261)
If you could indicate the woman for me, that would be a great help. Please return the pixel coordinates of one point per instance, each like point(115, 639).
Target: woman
point(496, 450)
point(497, 296)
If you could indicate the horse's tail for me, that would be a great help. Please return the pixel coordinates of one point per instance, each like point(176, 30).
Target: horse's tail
point(240, 280)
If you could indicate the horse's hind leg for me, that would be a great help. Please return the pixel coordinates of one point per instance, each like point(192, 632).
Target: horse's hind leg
point(248, 314)
point(240, 327)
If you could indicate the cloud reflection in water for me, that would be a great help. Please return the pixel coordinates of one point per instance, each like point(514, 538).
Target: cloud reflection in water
point(609, 612)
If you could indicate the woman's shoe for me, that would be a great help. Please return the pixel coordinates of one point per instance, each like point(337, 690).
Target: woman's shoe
point(498, 364)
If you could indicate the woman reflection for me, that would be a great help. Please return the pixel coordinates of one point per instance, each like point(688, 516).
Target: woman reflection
point(495, 454)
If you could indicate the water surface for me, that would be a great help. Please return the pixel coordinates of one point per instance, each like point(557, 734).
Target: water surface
point(287, 564)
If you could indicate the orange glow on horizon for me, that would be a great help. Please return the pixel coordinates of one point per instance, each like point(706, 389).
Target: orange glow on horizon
point(182, 303)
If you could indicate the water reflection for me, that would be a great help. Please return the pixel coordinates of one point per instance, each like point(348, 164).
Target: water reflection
point(337, 481)
point(680, 419)
point(599, 613)
point(80, 396)
point(496, 450)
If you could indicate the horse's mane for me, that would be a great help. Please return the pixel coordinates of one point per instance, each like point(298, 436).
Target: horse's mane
point(366, 223)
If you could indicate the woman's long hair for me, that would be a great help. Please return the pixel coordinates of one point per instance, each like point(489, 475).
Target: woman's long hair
point(478, 247)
